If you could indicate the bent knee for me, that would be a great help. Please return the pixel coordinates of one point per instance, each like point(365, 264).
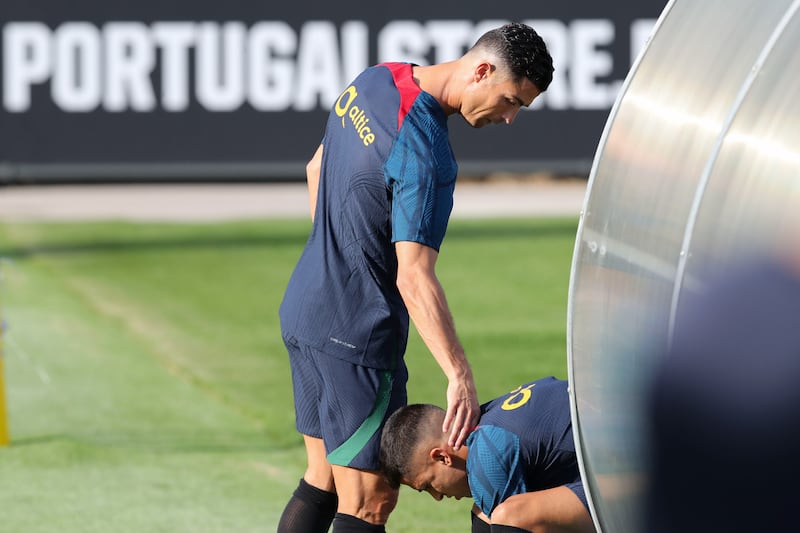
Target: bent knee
point(512, 512)
point(544, 514)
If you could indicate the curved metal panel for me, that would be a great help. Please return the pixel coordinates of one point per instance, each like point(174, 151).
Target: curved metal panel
point(751, 203)
point(678, 182)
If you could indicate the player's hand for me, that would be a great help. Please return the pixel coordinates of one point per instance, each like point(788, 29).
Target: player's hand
point(463, 410)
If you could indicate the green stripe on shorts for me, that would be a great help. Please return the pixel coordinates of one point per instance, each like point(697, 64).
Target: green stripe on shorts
point(344, 454)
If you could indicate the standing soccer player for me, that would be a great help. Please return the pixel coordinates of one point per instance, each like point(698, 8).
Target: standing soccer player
point(381, 192)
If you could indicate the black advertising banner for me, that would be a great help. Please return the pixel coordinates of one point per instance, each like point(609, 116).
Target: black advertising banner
point(178, 89)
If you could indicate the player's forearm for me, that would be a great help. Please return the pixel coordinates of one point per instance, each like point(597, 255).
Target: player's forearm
point(428, 309)
point(427, 306)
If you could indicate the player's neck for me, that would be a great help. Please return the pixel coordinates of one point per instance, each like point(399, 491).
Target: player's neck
point(440, 81)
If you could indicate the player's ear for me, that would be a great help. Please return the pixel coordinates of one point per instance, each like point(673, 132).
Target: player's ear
point(440, 455)
point(482, 71)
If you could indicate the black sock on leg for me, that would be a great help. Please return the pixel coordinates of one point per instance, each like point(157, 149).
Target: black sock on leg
point(498, 528)
point(479, 526)
point(310, 510)
point(346, 523)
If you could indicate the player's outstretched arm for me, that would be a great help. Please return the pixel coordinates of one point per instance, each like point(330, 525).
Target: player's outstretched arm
point(427, 306)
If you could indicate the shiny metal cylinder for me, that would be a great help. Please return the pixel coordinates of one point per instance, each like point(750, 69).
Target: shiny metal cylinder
point(698, 168)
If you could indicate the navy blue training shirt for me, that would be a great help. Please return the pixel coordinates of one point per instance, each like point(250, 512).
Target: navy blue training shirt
point(388, 175)
point(523, 443)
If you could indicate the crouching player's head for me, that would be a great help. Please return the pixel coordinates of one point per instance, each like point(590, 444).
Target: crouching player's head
point(414, 452)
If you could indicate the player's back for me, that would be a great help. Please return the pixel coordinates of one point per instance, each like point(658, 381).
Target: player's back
point(538, 414)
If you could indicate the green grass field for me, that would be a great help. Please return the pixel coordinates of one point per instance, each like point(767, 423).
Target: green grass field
point(148, 389)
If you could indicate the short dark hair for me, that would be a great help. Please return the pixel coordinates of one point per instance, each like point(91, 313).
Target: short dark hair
point(404, 431)
point(523, 51)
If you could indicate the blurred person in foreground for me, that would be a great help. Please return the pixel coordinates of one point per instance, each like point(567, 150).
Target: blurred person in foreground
point(381, 192)
point(724, 407)
point(519, 465)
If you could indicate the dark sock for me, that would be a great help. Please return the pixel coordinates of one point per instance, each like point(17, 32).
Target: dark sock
point(346, 523)
point(479, 526)
point(497, 528)
point(310, 510)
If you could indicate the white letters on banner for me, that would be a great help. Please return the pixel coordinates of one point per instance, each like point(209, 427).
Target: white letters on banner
point(129, 66)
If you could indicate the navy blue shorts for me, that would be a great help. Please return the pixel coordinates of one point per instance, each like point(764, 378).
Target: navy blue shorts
point(344, 404)
point(580, 492)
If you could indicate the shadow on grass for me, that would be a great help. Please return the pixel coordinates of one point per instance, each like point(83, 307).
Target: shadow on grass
point(165, 441)
point(145, 245)
point(457, 231)
point(526, 229)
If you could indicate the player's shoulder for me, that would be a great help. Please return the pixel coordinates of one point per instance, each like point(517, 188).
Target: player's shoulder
point(490, 433)
point(489, 446)
point(382, 73)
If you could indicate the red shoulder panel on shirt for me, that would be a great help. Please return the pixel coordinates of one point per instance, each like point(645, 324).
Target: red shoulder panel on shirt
point(409, 90)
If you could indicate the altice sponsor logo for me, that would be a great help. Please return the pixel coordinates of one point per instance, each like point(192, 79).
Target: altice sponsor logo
point(345, 107)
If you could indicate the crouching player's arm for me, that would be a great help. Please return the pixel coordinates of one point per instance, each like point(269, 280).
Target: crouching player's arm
point(544, 511)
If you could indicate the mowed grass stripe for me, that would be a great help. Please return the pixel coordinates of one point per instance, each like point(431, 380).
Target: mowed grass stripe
point(169, 403)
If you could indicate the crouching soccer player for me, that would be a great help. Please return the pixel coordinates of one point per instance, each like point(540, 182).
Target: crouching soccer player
point(519, 464)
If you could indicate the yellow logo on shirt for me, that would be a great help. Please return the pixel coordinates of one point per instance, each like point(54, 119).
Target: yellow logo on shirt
point(518, 398)
point(345, 107)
